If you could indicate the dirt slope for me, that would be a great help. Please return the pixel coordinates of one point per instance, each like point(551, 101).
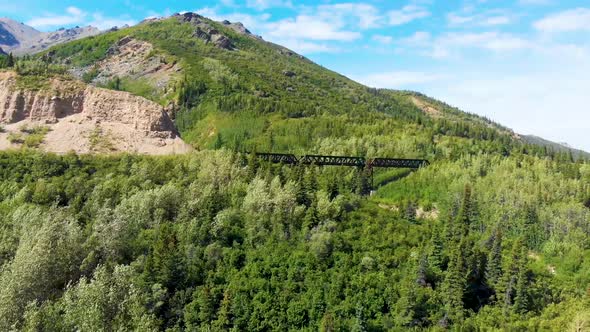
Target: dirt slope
point(85, 119)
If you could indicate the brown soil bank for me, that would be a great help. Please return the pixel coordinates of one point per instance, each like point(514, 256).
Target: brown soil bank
point(72, 116)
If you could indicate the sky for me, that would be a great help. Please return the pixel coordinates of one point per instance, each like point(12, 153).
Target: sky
point(522, 63)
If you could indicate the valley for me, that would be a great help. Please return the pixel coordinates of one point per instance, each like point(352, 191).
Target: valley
point(128, 200)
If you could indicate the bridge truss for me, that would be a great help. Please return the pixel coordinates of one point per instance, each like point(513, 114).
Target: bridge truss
point(320, 160)
point(358, 162)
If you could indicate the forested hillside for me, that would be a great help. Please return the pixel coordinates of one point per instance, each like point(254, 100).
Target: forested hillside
point(493, 235)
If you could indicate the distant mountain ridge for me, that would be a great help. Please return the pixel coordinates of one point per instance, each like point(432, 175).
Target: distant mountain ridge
point(20, 39)
point(559, 147)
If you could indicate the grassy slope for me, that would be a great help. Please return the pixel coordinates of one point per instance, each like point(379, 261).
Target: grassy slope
point(248, 103)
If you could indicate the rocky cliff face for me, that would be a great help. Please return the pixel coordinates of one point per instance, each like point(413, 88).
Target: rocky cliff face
point(86, 119)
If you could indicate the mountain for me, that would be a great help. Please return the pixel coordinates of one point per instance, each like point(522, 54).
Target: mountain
point(19, 38)
point(12, 33)
point(492, 235)
point(2, 52)
point(561, 147)
point(213, 76)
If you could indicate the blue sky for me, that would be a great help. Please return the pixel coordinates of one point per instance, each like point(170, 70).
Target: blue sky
point(523, 63)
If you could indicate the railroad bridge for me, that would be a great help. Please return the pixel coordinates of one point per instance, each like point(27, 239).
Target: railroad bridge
point(359, 162)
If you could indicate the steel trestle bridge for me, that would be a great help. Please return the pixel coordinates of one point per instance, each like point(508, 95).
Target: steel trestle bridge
point(360, 162)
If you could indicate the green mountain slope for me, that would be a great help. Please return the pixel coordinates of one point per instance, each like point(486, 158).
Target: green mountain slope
point(576, 154)
point(257, 95)
point(493, 235)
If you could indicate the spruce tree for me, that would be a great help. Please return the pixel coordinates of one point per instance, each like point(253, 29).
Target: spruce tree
point(10, 61)
point(436, 250)
point(454, 284)
point(515, 270)
point(494, 263)
point(520, 290)
point(464, 215)
point(224, 316)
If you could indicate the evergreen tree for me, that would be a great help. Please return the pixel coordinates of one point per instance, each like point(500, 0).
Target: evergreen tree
point(364, 182)
point(360, 322)
point(436, 257)
point(493, 271)
point(453, 287)
point(218, 142)
point(464, 214)
point(515, 277)
point(521, 302)
point(224, 315)
point(10, 62)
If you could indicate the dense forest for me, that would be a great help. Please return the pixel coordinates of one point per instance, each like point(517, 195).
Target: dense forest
point(493, 235)
point(216, 241)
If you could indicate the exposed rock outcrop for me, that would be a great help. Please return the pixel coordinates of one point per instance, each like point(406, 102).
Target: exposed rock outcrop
point(426, 107)
point(289, 73)
point(240, 28)
point(205, 31)
point(77, 114)
point(132, 59)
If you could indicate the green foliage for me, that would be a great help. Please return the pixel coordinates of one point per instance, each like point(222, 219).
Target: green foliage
point(37, 67)
point(150, 243)
point(90, 75)
point(30, 137)
point(492, 235)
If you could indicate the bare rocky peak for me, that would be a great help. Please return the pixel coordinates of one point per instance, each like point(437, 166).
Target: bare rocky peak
point(12, 33)
point(240, 28)
point(20, 38)
point(48, 39)
point(209, 34)
point(205, 31)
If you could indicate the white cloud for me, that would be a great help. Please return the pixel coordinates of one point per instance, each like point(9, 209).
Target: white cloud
point(496, 20)
point(485, 19)
point(265, 4)
point(74, 15)
point(419, 38)
point(103, 23)
point(305, 34)
point(570, 20)
point(366, 15)
point(452, 43)
point(310, 27)
point(256, 23)
point(382, 39)
point(407, 14)
point(455, 19)
point(307, 47)
point(398, 79)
